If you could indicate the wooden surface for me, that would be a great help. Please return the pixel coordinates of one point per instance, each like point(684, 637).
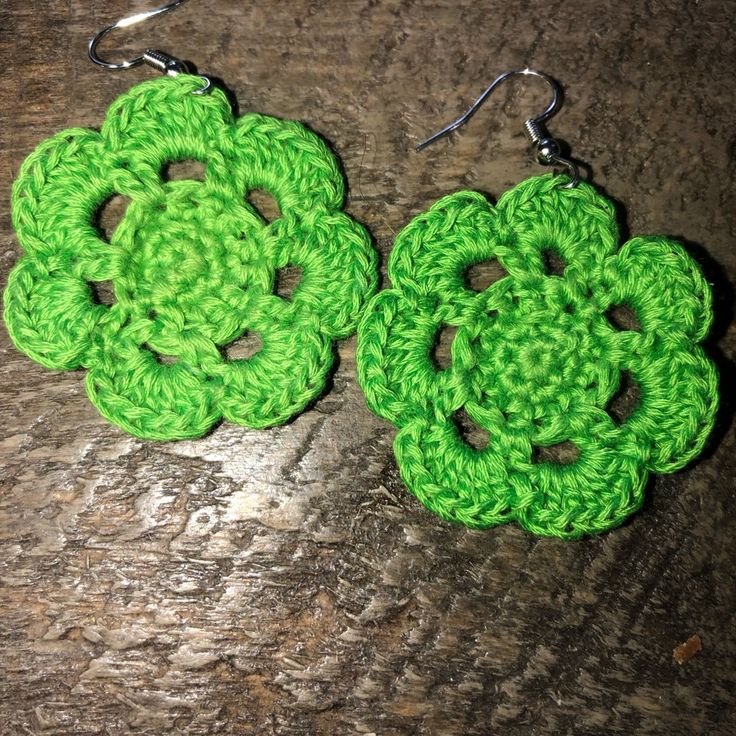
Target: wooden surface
point(284, 581)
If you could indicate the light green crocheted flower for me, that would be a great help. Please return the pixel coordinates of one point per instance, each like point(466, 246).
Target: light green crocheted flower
point(192, 263)
point(536, 360)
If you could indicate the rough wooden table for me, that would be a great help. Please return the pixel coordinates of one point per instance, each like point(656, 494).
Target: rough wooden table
point(284, 581)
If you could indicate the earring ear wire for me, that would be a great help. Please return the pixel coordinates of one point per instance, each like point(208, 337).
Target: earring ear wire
point(168, 65)
point(126, 22)
point(547, 148)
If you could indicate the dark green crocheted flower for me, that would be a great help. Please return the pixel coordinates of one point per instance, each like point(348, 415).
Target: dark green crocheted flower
point(536, 361)
point(192, 263)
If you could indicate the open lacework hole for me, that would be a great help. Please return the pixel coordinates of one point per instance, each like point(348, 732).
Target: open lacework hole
point(626, 400)
point(562, 453)
point(473, 435)
point(441, 353)
point(109, 214)
point(623, 317)
point(187, 169)
point(264, 204)
point(246, 346)
point(554, 263)
point(479, 276)
point(161, 359)
point(287, 280)
point(103, 292)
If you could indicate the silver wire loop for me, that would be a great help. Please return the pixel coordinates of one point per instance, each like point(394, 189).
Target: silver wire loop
point(131, 20)
point(547, 148)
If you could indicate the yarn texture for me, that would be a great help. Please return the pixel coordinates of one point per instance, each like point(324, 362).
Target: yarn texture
point(192, 263)
point(536, 359)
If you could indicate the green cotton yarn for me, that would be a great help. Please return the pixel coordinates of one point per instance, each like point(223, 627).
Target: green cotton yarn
point(192, 263)
point(536, 359)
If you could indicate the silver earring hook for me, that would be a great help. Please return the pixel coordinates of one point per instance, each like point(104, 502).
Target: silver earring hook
point(164, 63)
point(548, 149)
point(131, 20)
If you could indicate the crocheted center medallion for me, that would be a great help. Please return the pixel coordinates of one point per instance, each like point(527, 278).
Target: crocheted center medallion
point(539, 360)
point(192, 264)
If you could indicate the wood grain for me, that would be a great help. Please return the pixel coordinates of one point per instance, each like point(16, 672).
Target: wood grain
point(284, 581)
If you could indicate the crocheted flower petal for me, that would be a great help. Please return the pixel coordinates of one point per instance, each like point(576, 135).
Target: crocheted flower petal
point(338, 264)
point(50, 314)
point(160, 121)
point(678, 404)
point(595, 492)
point(145, 397)
point(287, 160)
point(396, 338)
point(432, 253)
point(55, 198)
point(288, 372)
point(539, 217)
point(664, 286)
point(454, 480)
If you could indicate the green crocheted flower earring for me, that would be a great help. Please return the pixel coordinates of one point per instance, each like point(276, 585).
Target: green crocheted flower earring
point(193, 265)
point(536, 359)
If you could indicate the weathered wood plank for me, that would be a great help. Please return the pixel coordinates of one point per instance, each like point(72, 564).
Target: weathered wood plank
point(284, 581)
